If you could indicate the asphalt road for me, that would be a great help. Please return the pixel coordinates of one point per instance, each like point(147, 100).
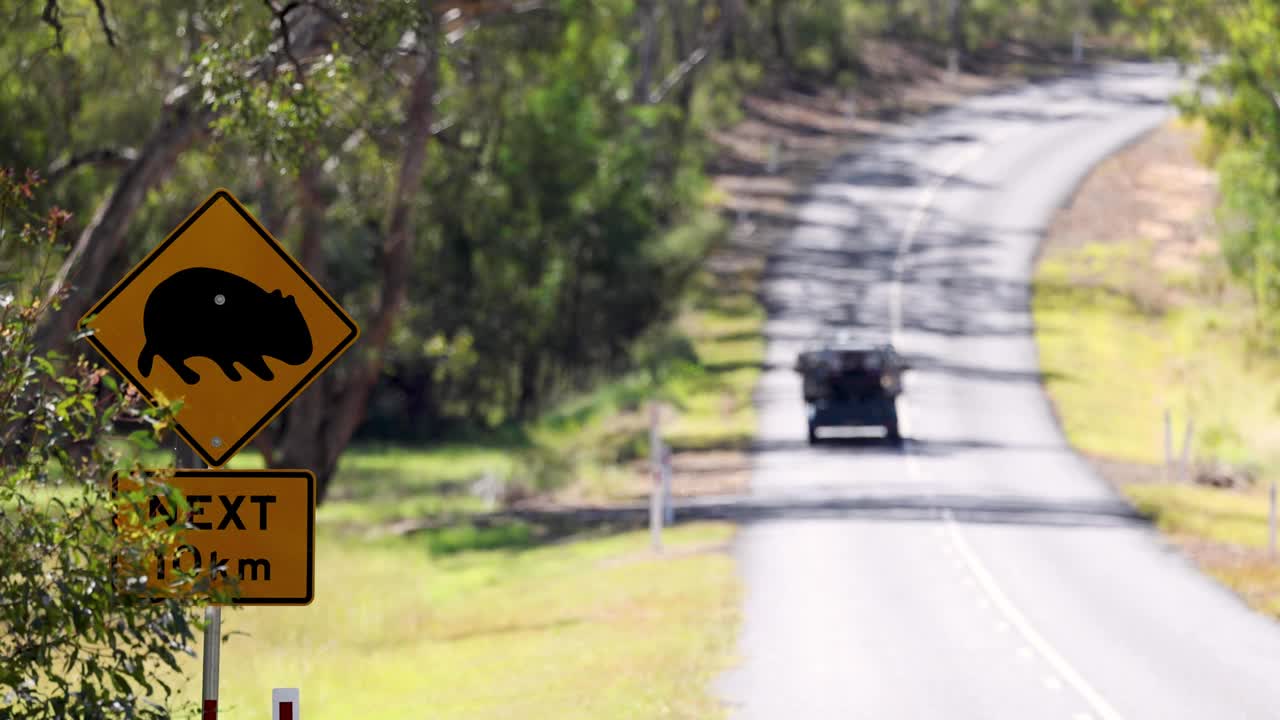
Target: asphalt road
point(981, 571)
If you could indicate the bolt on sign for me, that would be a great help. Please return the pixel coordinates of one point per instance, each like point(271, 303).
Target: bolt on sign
point(248, 531)
point(220, 317)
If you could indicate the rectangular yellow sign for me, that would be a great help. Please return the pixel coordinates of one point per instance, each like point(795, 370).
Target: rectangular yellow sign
point(253, 527)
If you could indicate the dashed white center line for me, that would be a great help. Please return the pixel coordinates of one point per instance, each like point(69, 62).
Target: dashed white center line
point(913, 226)
point(1033, 638)
point(978, 573)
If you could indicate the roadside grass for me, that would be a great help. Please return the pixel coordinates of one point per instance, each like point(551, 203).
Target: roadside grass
point(1112, 365)
point(1113, 359)
point(589, 628)
point(1225, 532)
point(725, 324)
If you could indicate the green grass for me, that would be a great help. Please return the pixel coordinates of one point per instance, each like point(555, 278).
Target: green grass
point(1209, 513)
point(1112, 366)
point(595, 628)
point(725, 325)
point(1113, 359)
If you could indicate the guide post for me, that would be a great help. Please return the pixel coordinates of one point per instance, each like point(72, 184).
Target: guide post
point(212, 656)
point(655, 493)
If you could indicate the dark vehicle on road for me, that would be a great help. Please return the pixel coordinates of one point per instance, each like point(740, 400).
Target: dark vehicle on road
point(852, 386)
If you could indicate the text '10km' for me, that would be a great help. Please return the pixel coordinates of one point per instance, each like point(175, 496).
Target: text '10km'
point(252, 528)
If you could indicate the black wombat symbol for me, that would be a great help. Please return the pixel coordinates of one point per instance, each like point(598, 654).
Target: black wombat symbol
point(202, 312)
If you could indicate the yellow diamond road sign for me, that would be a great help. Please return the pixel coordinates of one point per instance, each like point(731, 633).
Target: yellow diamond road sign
point(255, 528)
point(220, 317)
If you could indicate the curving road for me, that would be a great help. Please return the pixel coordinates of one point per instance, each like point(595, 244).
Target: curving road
point(981, 571)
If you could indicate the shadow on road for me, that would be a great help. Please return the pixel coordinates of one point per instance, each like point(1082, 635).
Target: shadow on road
point(884, 507)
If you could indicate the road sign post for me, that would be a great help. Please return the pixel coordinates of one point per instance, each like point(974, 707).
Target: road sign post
point(222, 318)
point(212, 658)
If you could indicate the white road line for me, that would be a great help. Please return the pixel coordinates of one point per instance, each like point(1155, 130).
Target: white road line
point(1033, 638)
point(913, 226)
point(975, 565)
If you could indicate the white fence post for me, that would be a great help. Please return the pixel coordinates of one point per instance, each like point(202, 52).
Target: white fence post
point(1185, 461)
point(1168, 444)
point(655, 492)
point(1271, 539)
point(286, 704)
point(668, 509)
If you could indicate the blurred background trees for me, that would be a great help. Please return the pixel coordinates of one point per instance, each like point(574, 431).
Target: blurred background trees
point(1234, 46)
point(508, 194)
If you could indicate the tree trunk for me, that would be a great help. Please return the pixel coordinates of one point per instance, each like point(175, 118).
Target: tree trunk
point(103, 240)
point(337, 421)
point(646, 15)
point(729, 16)
point(530, 372)
point(305, 415)
point(101, 244)
point(779, 31)
point(955, 25)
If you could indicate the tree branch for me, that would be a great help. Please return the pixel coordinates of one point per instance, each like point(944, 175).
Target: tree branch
point(686, 67)
point(50, 18)
point(186, 120)
point(281, 17)
point(102, 156)
point(397, 245)
point(102, 19)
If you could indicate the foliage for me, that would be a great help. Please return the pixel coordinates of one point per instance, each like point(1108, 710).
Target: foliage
point(1238, 96)
point(73, 642)
point(556, 213)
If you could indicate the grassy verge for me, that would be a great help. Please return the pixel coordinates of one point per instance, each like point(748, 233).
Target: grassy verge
point(1113, 363)
point(1120, 341)
point(595, 628)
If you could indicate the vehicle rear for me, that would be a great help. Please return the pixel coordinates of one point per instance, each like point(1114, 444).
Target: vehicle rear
point(851, 388)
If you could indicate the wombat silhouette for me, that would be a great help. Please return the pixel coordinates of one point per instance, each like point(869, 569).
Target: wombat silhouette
point(203, 312)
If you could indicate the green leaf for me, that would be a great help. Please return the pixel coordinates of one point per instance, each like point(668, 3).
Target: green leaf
point(45, 366)
point(61, 409)
point(143, 439)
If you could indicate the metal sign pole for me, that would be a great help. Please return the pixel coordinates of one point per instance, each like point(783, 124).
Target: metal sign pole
point(185, 458)
point(212, 654)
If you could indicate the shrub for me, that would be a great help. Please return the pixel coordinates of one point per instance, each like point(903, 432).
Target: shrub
point(78, 636)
